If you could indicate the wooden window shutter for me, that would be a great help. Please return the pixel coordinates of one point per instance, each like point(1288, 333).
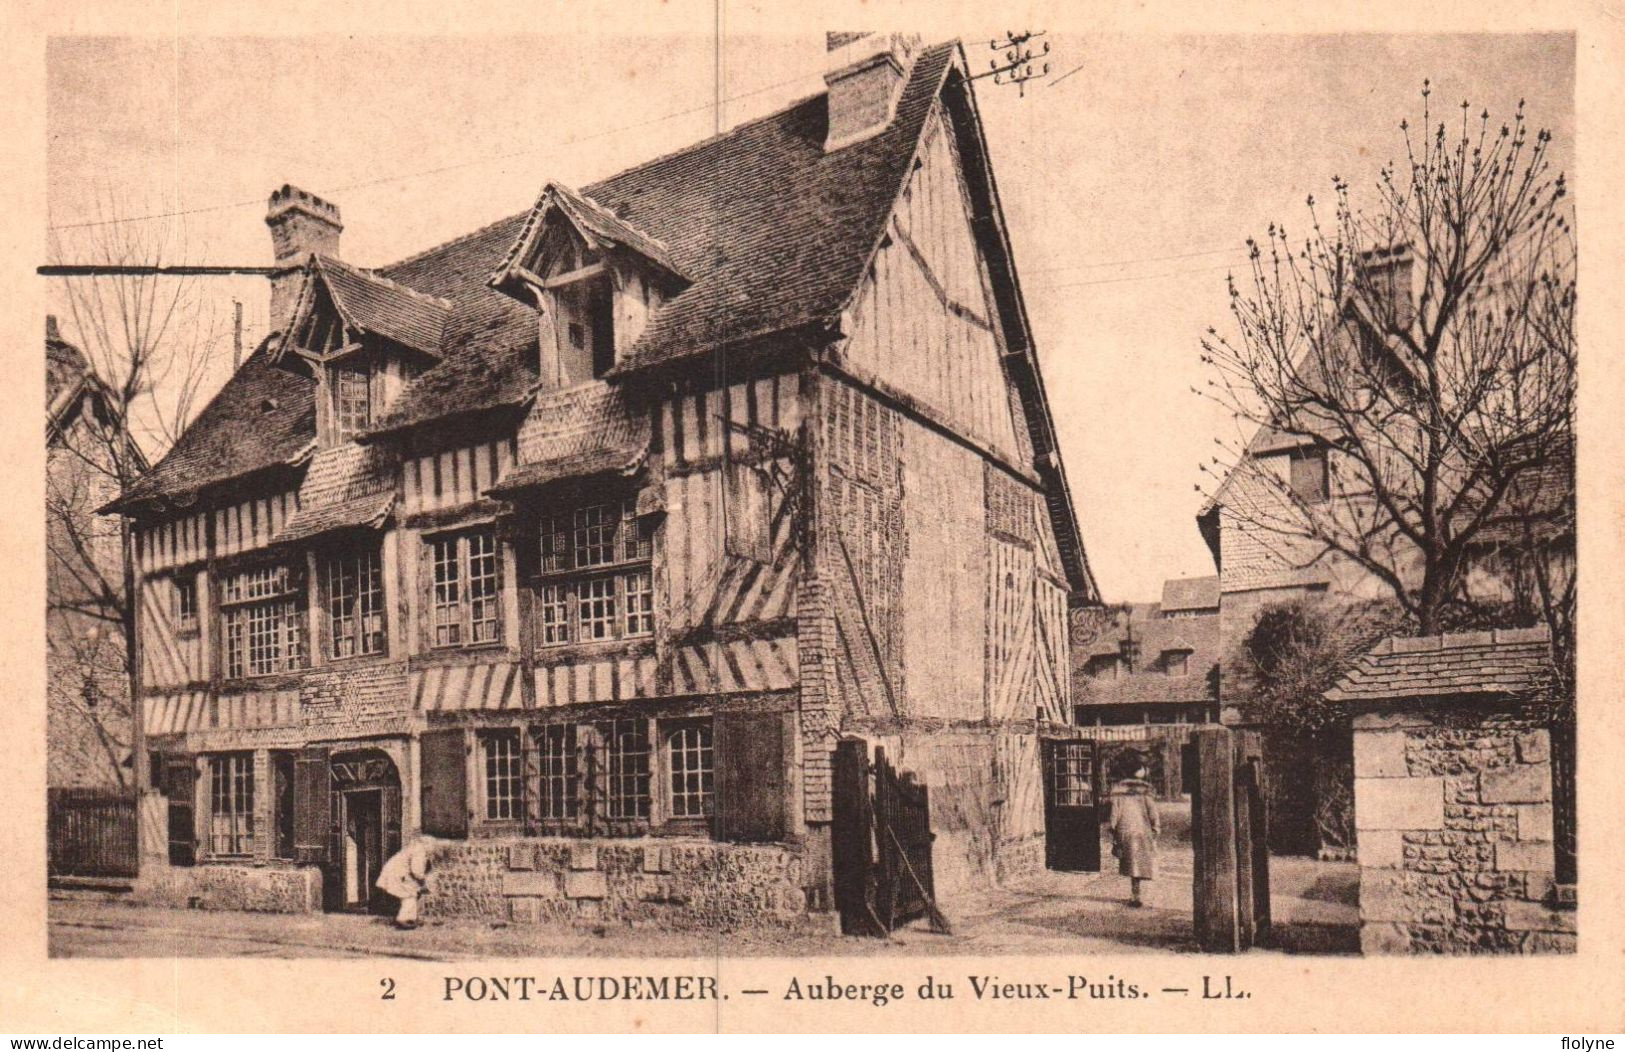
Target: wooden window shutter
point(751, 763)
point(441, 760)
point(749, 501)
point(312, 807)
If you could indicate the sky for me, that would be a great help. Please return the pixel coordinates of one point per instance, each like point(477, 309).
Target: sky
point(1130, 178)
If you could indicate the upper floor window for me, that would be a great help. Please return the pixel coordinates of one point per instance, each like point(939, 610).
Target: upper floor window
point(262, 621)
point(1309, 480)
point(1176, 662)
point(1105, 666)
point(186, 602)
point(466, 588)
point(352, 400)
point(596, 581)
point(355, 603)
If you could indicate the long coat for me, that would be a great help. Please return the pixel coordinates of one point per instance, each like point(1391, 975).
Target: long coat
point(1134, 828)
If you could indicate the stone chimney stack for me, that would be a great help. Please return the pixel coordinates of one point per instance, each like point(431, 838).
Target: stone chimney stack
point(301, 223)
point(1388, 277)
point(866, 74)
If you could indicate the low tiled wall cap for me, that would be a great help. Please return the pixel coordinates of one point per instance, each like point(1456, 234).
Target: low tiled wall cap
point(1466, 639)
point(1539, 634)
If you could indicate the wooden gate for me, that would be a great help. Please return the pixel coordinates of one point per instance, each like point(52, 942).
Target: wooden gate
point(881, 844)
point(92, 832)
point(1229, 839)
point(1072, 793)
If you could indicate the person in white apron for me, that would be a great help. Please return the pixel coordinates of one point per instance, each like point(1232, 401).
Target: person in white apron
point(405, 875)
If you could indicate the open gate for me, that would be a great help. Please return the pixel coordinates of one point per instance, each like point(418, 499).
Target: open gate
point(881, 844)
point(1073, 791)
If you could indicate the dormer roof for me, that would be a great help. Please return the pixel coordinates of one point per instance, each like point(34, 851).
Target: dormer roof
point(367, 303)
point(601, 228)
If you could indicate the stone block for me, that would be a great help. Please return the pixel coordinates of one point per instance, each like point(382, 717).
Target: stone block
point(1534, 916)
point(530, 883)
point(1522, 784)
point(1398, 803)
point(1527, 855)
point(1535, 822)
point(1379, 754)
point(654, 860)
point(1384, 938)
point(1534, 747)
point(521, 856)
point(1388, 720)
point(1381, 849)
point(1387, 896)
point(583, 855)
point(585, 884)
point(524, 910)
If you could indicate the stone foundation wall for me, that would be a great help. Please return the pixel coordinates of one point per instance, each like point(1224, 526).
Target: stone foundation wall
point(260, 889)
point(648, 882)
point(1454, 814)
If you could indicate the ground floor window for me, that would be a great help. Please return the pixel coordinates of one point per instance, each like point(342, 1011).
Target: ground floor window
point(231, 804)
point(690, 766)
point(558, 793)
point(504, 781)
point(626, 767)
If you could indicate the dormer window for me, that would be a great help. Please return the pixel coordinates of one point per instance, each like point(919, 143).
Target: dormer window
point(595, 279)
point(352, 401)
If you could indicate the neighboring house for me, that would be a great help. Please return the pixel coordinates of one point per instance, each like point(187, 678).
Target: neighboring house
point(1143, 673)
point(88, 687)
point(582, 539)
point(1289, 476)
point(1152, 663)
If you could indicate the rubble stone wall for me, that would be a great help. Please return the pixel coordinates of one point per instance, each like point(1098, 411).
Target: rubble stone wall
point(660, 883)
point(1454, 814)
point(259, 889)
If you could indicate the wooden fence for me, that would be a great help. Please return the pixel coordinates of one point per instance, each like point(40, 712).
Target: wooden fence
point(92, 832)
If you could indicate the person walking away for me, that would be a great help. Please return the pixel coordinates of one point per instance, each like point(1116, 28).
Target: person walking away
point(404, 876)
point(1135, 826)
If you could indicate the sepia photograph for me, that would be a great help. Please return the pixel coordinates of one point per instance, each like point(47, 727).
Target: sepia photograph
point(693, 551)
point(825, 495)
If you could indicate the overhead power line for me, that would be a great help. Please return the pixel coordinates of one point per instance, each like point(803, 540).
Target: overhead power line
point(421, 173)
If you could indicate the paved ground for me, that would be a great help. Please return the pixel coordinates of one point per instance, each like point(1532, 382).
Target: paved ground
point(1314, 903)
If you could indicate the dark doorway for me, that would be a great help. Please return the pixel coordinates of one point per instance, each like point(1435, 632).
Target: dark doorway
point(362, 848)
point(365, 830)
point(1072, 805)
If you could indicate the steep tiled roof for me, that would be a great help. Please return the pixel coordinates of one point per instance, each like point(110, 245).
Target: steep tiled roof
point(263, 417)
point(1503, 661)
point(1190, 593)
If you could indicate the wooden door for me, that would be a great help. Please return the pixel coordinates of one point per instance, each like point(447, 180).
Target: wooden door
point(1071, 805)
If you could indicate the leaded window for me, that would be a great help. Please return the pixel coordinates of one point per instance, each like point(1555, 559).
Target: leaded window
point(465, 598)
point(690, 761)
point(352, 401)
point(355, 603)
point(231, 804)
point(262, 621)
point(504, 779)
point(596, 581)
point(558, 797)
point(626, 768)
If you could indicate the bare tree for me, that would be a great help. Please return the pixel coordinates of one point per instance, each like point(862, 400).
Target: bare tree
point(1424, 346)
point(146, 341)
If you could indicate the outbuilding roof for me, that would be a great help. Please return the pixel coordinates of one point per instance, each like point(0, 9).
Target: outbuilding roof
point(1502, 661)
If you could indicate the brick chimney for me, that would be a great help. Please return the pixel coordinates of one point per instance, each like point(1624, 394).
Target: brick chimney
point(867, 72)
point(301, 223)
point(1388, 279)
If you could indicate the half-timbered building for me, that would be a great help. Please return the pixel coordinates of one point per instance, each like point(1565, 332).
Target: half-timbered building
point(582, 540)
